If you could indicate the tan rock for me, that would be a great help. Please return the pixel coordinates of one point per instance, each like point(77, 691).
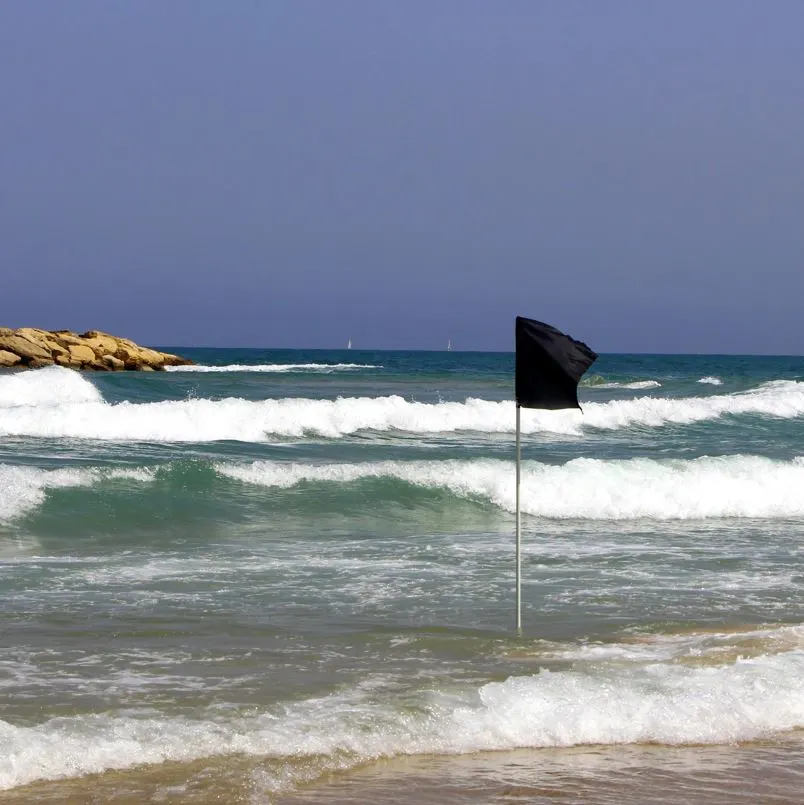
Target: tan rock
point(31, 346)
point(99, 334)
point(152, 357)
point(64, 359)
point(60, 353)
point(129, 357)
point(103, 345)
point(169, 359)
point(56, 348)
point(8, 358)
point(135, 357)
point(42, 338)
point(126, 342)
point(34, 334)
point(127, 352)
point(66, 338)
point(112, 362)
point(24, 347)
point(81, 353)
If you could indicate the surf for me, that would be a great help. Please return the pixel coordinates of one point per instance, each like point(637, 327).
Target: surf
point(278, 368)
point(60, 403)
point(24, 488)
point(584, 489)
point(606, 704)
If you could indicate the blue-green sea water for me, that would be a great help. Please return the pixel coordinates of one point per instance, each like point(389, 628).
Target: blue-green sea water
point(288, 576)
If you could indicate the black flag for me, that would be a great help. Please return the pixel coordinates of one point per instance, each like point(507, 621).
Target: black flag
point(549, 365)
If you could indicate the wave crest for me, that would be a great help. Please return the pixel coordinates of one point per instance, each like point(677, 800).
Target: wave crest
point(653, 703)
point(59, 403)
point(592, 489)
point(51, 386)
point(24, 488)
point(322, 368)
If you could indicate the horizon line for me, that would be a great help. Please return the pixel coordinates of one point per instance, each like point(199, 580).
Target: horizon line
point(476, 351)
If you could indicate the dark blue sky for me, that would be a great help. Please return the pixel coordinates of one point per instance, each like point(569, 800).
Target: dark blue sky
point(298, 173)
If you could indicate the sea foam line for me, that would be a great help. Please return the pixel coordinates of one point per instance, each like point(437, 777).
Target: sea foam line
point(59, 403)
point(652, 703)
point(323, 368)
point(23, 488)
point(593, 489)
point(636, 385)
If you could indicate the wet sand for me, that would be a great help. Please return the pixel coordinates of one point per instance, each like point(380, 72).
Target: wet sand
point(770, 773)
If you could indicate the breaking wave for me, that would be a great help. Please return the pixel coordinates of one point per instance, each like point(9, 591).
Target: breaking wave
point(600, 382)
point(729, 486)
point(59, 403)
point(322, 368)
point(636, 385)
point(645, 703)
point(24, 488)
point(584, 489)
point(52, 386)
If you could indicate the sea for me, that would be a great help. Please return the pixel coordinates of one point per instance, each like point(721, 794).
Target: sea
point(285, 576)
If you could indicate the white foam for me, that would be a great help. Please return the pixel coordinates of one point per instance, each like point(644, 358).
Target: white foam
point(24, 488)
point(684, 645)
point(728, 486)
point(62, 404)
point(636, 385)
point(51, 386)
point(275, 367)
point(712, 381)
point(651, 703)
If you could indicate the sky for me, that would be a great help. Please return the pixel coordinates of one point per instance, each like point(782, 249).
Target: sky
point(297, 173)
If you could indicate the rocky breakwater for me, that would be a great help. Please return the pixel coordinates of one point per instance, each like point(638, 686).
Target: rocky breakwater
point(31, 348)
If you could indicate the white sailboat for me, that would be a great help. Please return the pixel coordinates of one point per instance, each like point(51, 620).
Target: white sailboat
point(349, 344)
point(449, 345)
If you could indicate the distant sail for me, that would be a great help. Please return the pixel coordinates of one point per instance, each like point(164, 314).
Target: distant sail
point(349, 344)
point(449, 345)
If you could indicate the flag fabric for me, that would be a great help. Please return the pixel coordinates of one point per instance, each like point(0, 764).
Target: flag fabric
point(549, 365)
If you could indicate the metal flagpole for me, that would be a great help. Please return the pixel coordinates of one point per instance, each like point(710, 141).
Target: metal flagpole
point(518, 534)
point(548, 367)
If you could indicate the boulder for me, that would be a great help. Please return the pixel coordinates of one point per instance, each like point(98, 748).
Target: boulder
point(60, 352)
point(136, 357)
point(103, 346)
point(25, 348)
point(8, 358)
point(64, 359)
point(81, 353)
point(112, 362)
point(35, 334)
point(33, 347)
point(168, 359)
point(150, 357)
point(66, 337)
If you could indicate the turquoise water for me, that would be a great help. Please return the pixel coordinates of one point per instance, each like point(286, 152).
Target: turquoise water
point(282, 564)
